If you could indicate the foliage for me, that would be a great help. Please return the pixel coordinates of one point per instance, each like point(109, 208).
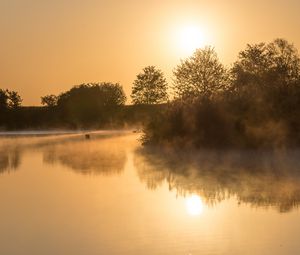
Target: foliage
point(150, 87)
point(96, 94)
point(10, 102)
point(9, 99)
point(93, 102)
point(49, 100)
point(201, 123)
point(3, 99)
point(202, 74)
point(255, 104)
point(14, 99)
point(259, 109)
point(262, 64)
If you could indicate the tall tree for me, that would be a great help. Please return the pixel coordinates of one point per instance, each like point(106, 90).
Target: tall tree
point(285, 61)
point(150, 87)
point(276, 63)
point(202, 74)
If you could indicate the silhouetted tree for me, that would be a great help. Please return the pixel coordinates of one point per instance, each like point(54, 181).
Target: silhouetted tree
point(91, 102)
point(276, 63)
point(202, 74)
point(10, 102)
point(3, 108)
point(150, 87)
point(259, 109)
point(14, 99)
point(266, 82)
point(285, 61)
point(49, 100)
point(3, 99)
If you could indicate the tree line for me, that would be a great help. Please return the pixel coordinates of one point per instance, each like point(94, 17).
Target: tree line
point(253, 103)
point(90, 105)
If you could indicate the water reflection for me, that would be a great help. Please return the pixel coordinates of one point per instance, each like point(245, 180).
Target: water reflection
point(194, 205)
point(9, 159)
point(261, 179)
point(105, 156)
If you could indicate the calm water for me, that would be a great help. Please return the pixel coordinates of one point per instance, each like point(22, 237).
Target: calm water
point(67, 195)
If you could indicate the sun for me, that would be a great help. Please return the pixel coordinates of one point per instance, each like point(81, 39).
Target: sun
point(191, 37)
point(194, 205)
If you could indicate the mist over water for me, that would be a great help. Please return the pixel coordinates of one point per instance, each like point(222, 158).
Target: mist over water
point(66, 194)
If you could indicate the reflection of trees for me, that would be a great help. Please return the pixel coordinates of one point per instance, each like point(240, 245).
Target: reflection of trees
point(9, 159)
point(103, 154)
point(258, 178)
point(100, 156)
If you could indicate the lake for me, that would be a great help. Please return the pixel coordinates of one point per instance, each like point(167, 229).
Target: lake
point(64, 194)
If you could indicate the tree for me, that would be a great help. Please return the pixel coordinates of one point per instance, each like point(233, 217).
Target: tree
point(3, 99)
point(9, 101)
point(150, 87)
point(202, 74)
point(91, 102)
point(49, 100)
point(285, 61)
point(14, 99)
point(276, 63)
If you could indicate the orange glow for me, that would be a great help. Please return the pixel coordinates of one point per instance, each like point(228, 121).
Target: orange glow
point(190, 38)
point(49, 46)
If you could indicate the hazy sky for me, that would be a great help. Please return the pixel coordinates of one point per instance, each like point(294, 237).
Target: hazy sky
point(47, 46)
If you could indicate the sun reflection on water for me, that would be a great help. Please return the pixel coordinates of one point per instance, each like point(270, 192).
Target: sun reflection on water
point(194, 205)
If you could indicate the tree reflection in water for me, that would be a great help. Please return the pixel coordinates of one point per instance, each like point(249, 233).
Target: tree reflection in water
point(258, 178)
point(98, 156)
point(103, 154)
point(10, 156)
point(9, 159)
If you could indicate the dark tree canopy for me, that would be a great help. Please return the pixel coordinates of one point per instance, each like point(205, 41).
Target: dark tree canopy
point(259, 109)
point(3, 99)
point(202, 74)
point(10, 102)
point(49, 100)
point(103, 94)
point(14, 99)
point(262, 64)
point(150, 87)
point(92, 101)
point(9, 99)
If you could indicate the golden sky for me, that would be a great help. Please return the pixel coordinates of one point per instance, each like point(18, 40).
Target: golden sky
point(47, 46)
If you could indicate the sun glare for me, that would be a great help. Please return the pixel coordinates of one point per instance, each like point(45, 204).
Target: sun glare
point(194, 205)
point(190, 38)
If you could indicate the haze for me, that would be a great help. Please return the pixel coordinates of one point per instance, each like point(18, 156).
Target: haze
point(47, 47)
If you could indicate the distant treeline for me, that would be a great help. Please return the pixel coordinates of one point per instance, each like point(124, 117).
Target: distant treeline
point(93, 105)
point(254, 103)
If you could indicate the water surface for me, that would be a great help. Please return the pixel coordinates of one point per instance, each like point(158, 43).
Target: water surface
point(64, 194)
